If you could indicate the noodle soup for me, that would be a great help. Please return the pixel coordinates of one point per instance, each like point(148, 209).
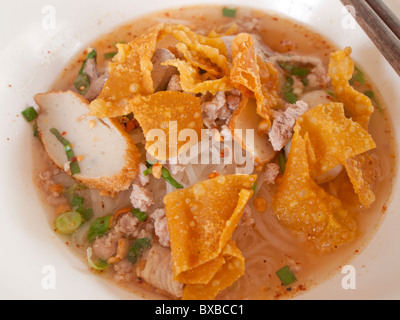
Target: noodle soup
point(141, 234)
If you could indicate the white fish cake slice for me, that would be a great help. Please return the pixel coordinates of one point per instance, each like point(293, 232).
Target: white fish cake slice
point(109, 160)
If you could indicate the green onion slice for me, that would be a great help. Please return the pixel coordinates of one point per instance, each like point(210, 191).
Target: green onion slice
point(73, 165)
point(294, 70)
point(101, 264)
point(370, 94)
point(137, 248)
point(141, 216)
point(229, 12)
point(99, 227)
point(81, 82)
point(109, 55)
point(30, 114)
point(75, 187)
point(68, 222)
point(282, 161)
point(286, 276)
point(165, 174)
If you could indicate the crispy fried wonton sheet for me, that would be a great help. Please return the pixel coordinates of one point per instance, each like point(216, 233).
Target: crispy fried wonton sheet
point(333, 137)
point(129, 76)
point(301, 205)
point(201, 221)
point(358, 105)
point(171, 112)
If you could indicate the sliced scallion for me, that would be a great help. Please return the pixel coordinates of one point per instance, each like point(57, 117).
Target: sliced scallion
point(288, 90)
point(141, 216)
point(286, 276)
point(229, 12)
point(68, 222)
point(109, 55)
point(82, 82)
point(282, 161)
point(99, 227)
point(370, 94)
point(73, 165)
point(294, 70)
point(100, 265)
point(30, 114)
point(357, 77)
point(165, 174)
point(77, 201)
point(137, 248)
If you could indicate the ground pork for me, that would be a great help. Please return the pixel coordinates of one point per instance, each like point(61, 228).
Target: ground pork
point(124, 271)
point(141, 179)
point(141, 198)
point(283, 123)
point(270, 173)
point(161, 226)
point(220, 106)
point(247, 219)
point(106, 246)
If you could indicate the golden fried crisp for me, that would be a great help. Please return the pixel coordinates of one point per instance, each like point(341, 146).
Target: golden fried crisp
point(231, 269)
point(363, 170)
point(198, 61)
point(231, 30)
point(192, 81)
point(171, 112)
point(129, 76)
point(358, 105)
point(333, 137)
point(301, 205)
point(245, 75)
point(201, 221)
point(211, 48)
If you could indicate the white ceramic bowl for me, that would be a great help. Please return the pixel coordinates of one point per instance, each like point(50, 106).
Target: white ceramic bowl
point(31, 58)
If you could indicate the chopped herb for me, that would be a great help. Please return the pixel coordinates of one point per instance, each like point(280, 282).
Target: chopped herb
point(71, 190)
point(35, 130)
point(305, 82)
point(109, 55)
point(141, 216)
point(30, 114)
point(286, 276)
point(100, 265)
point(137, 248)
point(165, 174)
point(99, 227)
point(167, 177)
point(74, 167)
point(254, 186)
point(288, 91)
point(148, 171)
point(77, 201)
point(82, 82)
point(370, 94)
point(282, 161)
point(357, 77)
point(290, 97)
point(330, 93)
point(229, 12)
point(294, 70)
point(86, 213)
point(68, 222)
